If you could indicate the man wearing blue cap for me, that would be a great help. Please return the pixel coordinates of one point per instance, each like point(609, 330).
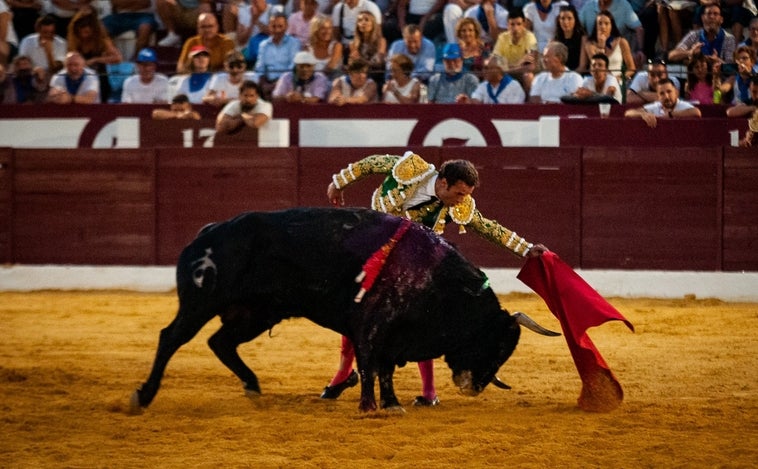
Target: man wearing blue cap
point(454, 85)
point(147, 86)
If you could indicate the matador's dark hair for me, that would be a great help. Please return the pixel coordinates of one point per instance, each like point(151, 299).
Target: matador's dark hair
point(459, 170)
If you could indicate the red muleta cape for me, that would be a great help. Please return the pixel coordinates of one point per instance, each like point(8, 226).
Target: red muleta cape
point(578, 307)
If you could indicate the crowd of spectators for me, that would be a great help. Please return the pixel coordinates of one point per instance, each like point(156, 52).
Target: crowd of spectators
point(395, 51)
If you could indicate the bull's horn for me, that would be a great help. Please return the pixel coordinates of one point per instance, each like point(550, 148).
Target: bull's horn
point(496, 381)
point(530, 323)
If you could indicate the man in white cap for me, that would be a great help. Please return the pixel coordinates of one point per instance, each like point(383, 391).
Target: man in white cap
point(147, 86)
point(303, 85)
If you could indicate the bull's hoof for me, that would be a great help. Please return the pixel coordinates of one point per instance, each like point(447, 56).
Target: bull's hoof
point(367, 406)
point(134, 406)
point(395, 409)
point(252, 394)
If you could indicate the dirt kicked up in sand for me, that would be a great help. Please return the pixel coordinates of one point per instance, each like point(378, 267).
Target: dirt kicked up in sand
point(70, 361)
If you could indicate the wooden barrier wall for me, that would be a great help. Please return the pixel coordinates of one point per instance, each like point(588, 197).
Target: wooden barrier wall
point(621, 208)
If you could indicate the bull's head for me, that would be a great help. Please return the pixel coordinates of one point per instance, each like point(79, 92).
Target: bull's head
point(472, 373)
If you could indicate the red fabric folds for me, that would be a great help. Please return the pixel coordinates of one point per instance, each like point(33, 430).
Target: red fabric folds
point(578, 307)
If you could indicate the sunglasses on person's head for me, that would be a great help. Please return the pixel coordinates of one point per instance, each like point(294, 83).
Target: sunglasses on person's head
point(656, 62)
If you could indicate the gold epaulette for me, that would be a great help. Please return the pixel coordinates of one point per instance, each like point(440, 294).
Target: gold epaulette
point(411, 168)
point(753, 122)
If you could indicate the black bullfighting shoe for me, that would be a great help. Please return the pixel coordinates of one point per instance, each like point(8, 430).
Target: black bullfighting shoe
point(333, 392)
point(421, 401)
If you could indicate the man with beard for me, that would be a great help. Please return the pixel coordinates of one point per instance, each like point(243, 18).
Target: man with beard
point(712, 40)
point(24, 85)
point(668, 106)
point(455, 85)
point(249, 110)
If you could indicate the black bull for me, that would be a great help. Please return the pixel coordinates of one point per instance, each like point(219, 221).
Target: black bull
point(260, 268)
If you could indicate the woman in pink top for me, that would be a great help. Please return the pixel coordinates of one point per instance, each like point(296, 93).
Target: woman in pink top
point(699, 86)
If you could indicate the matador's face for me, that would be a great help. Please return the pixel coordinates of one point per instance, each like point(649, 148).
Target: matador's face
point(452, 194)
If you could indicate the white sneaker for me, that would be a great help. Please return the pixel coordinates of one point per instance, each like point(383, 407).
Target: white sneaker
point(171, 40)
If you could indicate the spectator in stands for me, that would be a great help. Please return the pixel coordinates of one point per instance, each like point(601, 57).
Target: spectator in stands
point(345, 18)
point(299, 21)
point(751, 41)
point(556, 81)
point(247, 24)
point(600, 83)
point(699, 86)
point(132, 15)
point(207, 36)
point(670, 19)
point(249, 110)
point(626, 20)
point(606, 39)
point(668, 106)
point(45, 48)
point(324, 47)
point(454, 85)
point(738, 85)
point(519, 47)
point(420, 50)
point(276, 54)
point(75, 83)
point(747, 106)
point(87, 35)
point(25, 15)
point(712, 40)
point(497, 87)
point(355, 87)
point(401, 88)
point(181, 108)
point(427, 14)
point(195, 85)
point(304, 84)
point(8, 38)
point(751, 131)
point(571, 33)
point(643, 88)
point(180, 17)
point(492, 18)
point(146, 86)
point(63, 11)
point(541, 17)
point(225, 86)
point(473, 48)
point(25, 84)
point(368, 42)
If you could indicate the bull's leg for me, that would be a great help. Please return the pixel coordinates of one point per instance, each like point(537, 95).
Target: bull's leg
point(224, 344)
point(387, 396)
point(368, 398)
point(183, 328)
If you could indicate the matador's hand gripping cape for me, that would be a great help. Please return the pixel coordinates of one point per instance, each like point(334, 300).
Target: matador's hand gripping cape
point(404, 176)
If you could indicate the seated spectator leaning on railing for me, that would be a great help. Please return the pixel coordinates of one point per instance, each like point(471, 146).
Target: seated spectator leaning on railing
point(249, 110)
point(181, 108)
point(147, 86)
point(497, 87)
point(75, 83)
point(668, 106)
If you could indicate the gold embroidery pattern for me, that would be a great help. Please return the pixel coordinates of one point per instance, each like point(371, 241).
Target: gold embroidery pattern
point(411, 168)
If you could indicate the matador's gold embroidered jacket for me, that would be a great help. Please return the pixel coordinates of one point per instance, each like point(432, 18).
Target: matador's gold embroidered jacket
point(405, 174)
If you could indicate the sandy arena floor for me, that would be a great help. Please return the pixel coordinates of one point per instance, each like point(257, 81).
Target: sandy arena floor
point(70, 361)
